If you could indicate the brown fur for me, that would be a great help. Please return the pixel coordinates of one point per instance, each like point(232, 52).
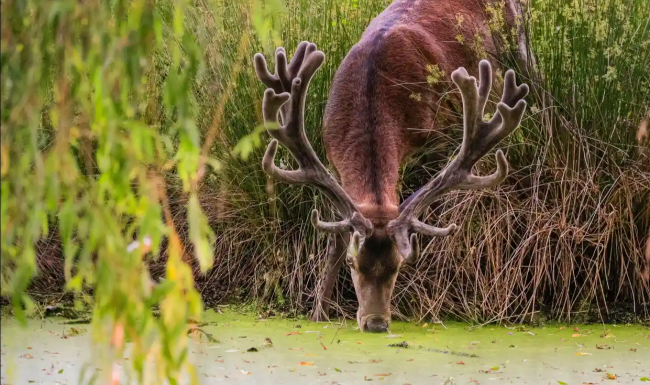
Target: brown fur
point(371, 123)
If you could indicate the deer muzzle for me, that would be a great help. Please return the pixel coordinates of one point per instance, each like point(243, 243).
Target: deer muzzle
point(375, 323)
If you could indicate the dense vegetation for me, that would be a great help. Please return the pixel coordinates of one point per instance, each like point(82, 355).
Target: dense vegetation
point(129, 121)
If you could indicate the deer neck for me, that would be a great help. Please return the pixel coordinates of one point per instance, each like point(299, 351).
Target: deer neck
point(379, 214)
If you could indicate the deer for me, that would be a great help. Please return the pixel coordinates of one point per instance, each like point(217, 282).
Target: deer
point(368, 134)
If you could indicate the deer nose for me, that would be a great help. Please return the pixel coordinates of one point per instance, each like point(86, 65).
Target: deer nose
point(377, 324)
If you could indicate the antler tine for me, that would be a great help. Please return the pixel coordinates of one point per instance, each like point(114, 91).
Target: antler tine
point(286, 96)
point(329, 227)
point(479, 137)
point(268, 79)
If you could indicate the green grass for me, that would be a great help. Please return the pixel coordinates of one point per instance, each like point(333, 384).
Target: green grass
point(564, 234)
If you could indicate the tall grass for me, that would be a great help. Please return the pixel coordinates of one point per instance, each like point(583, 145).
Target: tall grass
point(563, 236)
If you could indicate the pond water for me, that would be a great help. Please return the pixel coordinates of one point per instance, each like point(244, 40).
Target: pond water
point(301, 352)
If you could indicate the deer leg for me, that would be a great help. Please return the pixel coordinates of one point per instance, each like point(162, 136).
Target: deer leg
point(337, 245)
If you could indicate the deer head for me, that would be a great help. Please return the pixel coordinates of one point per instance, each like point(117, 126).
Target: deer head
point(376, 254)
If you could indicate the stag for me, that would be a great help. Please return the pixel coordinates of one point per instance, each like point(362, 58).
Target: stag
point(368, 133)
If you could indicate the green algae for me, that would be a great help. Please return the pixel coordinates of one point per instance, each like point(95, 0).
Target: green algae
point(242, 349)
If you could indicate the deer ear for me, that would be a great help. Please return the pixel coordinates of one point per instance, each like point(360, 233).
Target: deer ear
point(415, 250)
point(355, 245)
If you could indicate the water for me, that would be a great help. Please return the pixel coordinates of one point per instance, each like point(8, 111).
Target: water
point(301, 352)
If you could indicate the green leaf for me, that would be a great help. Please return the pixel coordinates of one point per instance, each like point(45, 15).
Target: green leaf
point(200, 233)
point(160, 291)
point(75, 283)
point(248, 143)
point(244, 147)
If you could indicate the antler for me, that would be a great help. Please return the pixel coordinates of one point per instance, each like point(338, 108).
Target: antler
point(479, 138)
point(289, 84)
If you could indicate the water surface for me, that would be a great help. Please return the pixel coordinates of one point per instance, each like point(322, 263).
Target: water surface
point(274, 351)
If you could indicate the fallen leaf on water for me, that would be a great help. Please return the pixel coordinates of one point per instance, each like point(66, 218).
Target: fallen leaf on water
point(51, 352)
point(645, 379)
point(460, 363)
point(365, 378)
point(60, 371)
point(337, 370)
point(382, 375)
point(306, 363)
point(603, 347)
point(425, 325)
point(562, 327)
point(598, 370)
point(360, 343)
point(28, 356)
point(610, 376)
point(244, 372)
point(576, 335)
point(76, 331)
point(607, 335)
point(633, 350)
point(561, 382)
point(583, 354)
point(494, 368)
point(374, 361)
point(310, 354)
point(295, 348)
point(411, 359)
point(291, 333)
